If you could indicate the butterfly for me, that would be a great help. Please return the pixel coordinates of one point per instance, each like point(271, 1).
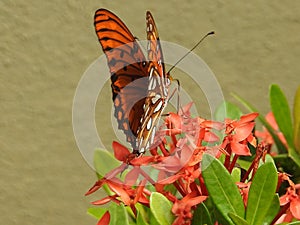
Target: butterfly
point(139, 85)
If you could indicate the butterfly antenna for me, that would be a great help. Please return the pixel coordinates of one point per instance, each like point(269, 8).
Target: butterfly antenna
point(210, 33)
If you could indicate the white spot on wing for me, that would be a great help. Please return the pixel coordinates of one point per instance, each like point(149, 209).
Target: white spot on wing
point(155, 99)
point(165, 91)
point(151, 73)
point(147, 145)
point(152, 135)
point(152, 83)
point(158, 80)
point(158, 107)
point(149, 124)
point(168, 82)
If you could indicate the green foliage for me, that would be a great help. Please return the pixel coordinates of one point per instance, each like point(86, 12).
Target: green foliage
point(237, 220)
point(118, 214)
point(227, 110)
point(96, 212)
point(280, 146)
point(104, 162)
point(282, 113)
point(261, 193)
point(296, 114)
point(224, 203)
point(288, 157)
point(221, 188)
point(161, 207)
point(236, 174)
point(202, 215)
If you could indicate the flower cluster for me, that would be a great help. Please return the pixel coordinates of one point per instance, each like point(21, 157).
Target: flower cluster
point(173, 166)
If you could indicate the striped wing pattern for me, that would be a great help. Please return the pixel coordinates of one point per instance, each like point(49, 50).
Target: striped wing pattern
point(139, 86)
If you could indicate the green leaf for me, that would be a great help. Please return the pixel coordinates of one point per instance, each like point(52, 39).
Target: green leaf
point(227, 110)
point(140, 220)
point(296, 113)
point(104, 161)
point(261, 193)
point(294, 156)
point(237, 220)
point(269, 158)
point(294, 223)
point(221, 188)
point(244, 164)
point(272, 211)
point(201, 215)
point(236, 174)
point(161, 207)
point(96, 212)
point(152, 220)
point(280, 146)
point(282, 113)
point(141, 215)
point(118, 215)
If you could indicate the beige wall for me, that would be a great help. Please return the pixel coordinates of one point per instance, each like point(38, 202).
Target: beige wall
point(47, 45)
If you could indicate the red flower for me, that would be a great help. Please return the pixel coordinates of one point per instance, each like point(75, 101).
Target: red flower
point(291, 199)
point(183, 208)
point(174, 162)
point(239, 134)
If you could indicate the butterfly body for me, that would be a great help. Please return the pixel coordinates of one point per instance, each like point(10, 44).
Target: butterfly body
point(139, 85)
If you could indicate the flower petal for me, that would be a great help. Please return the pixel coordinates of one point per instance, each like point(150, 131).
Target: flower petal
point(240, 149)
point(103, 200)
point(121, 152)
point(105, 219)
point(242, 132)
point(295, 207)
point(248, 117)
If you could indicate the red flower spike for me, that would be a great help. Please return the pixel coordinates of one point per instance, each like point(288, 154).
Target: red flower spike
point(105, 219)
point(177, 163)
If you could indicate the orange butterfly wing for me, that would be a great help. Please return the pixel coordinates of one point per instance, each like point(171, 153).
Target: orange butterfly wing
point(157, 89)
point(138, 102)
point(126, 63)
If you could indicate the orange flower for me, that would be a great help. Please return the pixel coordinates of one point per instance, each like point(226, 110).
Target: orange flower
point(291, 199)
point(239, 134)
